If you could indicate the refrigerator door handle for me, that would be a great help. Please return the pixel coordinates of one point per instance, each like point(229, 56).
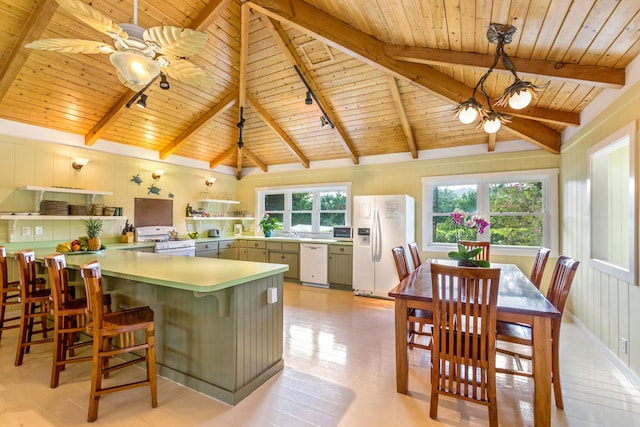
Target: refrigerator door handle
point(376, 239)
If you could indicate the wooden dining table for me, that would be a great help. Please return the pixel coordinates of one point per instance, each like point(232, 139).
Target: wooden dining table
point(518, 301)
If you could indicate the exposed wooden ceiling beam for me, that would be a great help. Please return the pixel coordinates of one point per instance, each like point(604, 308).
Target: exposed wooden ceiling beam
point(368, 49)
point(491, 145)
point(222, 157)
point(210, 13)
point(290, 52)
point(198, 124)
point(266, 117)
point(404, 120)
point(590, 75)
point(242, 81)
point(32, 29)
point(108, 120)
point(239, 163)
point(255, 159)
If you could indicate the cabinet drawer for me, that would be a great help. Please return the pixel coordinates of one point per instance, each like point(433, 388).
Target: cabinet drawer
point(206, 246)
point(254, 244)
point(274, 246)
point(340, 249)
point(226, 244)
point(290, 247)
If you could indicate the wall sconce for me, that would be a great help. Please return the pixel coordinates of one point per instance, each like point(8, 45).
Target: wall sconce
point(209, 181)
point(157, 174)
point(79, 163)
point(517, 96)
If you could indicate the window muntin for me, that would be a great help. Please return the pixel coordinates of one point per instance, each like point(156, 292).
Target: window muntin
point(521, 208)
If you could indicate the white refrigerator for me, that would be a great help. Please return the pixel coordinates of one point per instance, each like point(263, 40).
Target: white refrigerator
point(380, 223)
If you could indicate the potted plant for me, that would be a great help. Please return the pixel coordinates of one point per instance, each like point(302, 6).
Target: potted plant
point(268, 224)
point(467, 228)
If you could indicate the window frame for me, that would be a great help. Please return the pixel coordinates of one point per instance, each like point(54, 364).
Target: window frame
point(316, 189)
point(549, 179)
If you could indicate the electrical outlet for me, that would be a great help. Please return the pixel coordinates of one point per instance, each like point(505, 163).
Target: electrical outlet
point(625, 346)
point(38, 231)
point(26, 231)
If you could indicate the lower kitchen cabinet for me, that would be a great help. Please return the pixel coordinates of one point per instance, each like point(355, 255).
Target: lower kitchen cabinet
point(227, 249)
point(207, 249)
point(250, 250)
point(285, 253)
point(340, 265)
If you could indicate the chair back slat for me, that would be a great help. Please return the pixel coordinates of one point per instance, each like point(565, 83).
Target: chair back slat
point(542, 256)
point(561, 280)
point(57, 267)
point(3, 267)
point(415, 254)
point(27, 270)
point(400, 259)
point(473, 244)
point(93, 288)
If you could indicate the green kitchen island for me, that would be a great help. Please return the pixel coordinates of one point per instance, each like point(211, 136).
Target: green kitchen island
point(219, 323)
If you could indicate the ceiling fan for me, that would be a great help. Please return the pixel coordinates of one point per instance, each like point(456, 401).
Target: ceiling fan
point(139, 55)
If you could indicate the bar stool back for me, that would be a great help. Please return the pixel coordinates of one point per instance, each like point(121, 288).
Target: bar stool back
point(10, 296)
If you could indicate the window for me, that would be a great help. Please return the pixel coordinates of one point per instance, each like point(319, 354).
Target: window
point(521, 208)
point(307, 209)
point(612, 215)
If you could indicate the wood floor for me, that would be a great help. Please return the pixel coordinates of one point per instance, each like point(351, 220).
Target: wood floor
point(339, 371)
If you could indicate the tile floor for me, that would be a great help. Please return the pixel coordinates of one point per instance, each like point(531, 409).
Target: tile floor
point(339, 371)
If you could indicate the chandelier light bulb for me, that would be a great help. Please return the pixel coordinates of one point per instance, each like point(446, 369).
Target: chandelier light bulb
point(520, 100)
point(468, 115)
point(491, 126)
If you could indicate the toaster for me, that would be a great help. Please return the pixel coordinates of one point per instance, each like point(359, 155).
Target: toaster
point(214, 232)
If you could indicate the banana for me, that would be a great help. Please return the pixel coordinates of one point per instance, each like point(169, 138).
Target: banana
point(63, 247)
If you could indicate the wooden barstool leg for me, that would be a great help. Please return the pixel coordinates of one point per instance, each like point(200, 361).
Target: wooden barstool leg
point(151, 368)
point(22, 335)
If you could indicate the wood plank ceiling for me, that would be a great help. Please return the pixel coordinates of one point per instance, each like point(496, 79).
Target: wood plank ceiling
point(388, 74)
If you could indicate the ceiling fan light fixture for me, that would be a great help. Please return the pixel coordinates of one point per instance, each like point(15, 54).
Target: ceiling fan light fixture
point(135, 67)
point(142, 102)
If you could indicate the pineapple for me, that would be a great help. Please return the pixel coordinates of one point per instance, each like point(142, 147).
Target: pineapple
point(93, 227)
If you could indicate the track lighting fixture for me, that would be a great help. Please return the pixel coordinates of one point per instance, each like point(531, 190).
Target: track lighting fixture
point(325, 122)
point(517, 96)
point(79, 163)
point(308, 99)
point(164, 84)
point(142, 102)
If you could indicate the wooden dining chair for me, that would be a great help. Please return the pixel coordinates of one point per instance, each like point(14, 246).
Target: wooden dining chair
point(538, 266)
point(517, 333)
point(34, 305)
point(420, 321)
point(69, 316)
point(116, 333)
point(10, 302)
point(473, 244)
point(463, 353)
point(415, 254)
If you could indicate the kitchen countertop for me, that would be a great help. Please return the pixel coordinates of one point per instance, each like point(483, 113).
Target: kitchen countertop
point(188, 273)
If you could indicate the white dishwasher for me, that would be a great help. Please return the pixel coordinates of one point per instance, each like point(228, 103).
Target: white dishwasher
point(313, 264)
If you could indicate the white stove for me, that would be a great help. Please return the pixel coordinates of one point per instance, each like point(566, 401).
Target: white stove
point(166, 240)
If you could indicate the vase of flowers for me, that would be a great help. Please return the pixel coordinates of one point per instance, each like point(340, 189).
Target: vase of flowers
point(467, 228)
point(268, 224)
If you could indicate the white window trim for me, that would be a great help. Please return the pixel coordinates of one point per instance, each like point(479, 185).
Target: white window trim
point(549, 178)
point(261, 191)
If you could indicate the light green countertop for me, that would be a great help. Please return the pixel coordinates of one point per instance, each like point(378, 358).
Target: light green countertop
point(182, 272)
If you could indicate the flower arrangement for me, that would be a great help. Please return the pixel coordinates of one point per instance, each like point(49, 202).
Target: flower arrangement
point(468, 227)
point(268, 224)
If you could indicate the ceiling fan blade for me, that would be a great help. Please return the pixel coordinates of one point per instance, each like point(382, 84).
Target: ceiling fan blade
point(70, 46)
point(189, 73)
point(176, 41)
point(93, 18)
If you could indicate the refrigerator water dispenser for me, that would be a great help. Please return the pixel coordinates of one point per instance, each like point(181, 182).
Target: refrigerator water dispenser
point(364, 235)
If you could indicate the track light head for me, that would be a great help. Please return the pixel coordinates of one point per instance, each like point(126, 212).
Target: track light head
point(308, 99)
point(142, 102)
point(164, 84)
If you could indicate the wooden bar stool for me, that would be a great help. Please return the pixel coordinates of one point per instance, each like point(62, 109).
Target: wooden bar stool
point(34, 305)
point(68, 318)
point(119, 327)
point(10, 296)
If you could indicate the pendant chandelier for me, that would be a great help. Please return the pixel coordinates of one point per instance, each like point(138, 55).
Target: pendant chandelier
point(517, 96)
